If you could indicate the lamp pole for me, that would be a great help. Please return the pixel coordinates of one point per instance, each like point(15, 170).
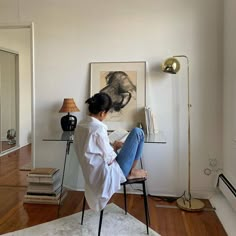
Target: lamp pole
point(186, 202)
point(189, 129)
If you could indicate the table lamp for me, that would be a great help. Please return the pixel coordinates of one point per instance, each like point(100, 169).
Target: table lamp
point(68, 122)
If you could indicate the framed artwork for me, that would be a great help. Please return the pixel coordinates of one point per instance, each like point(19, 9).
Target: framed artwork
point(125, 82)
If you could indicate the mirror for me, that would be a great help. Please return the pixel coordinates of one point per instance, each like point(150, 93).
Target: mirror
point(16, 103)
point(8, 103)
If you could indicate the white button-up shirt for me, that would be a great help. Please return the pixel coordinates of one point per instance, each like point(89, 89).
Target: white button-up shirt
point(102, 173)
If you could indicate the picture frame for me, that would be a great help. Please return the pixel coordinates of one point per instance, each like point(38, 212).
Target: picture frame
point(125, 82)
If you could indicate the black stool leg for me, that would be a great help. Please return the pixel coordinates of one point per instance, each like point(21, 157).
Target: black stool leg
point(82, 218)
point(100, 223)
point(124, 187)
point(146, 207)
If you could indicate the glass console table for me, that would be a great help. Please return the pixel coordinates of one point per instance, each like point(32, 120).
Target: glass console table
point(155, 138)
point(68, 137)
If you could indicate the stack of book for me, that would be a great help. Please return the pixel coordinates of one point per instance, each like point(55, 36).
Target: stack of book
point(44, 186)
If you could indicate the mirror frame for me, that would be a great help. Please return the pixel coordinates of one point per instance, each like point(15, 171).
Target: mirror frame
point(32, 52)
point(15, 147)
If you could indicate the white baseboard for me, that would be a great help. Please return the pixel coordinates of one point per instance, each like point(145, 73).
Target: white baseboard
point(228, 190)
point(13, 149)
point(9, 151)
point(199, 193)
point(23, 145)
point(203, 193)
point(225, 212)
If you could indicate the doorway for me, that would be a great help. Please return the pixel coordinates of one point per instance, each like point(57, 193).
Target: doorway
point(20, 40)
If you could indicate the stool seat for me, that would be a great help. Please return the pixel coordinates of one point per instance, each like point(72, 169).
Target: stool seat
point(134, 181)
point(129, 181)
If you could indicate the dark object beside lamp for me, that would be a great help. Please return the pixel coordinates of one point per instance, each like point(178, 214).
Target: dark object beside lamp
point(68, 122)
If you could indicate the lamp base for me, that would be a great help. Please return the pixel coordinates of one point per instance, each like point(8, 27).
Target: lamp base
point(68, 122)
point(190, 205)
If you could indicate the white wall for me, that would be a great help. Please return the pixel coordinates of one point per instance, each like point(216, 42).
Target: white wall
point(71, 34)
point(18, 40)
point(229, 148)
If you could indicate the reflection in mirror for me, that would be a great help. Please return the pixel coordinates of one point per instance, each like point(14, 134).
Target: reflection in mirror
point(16, 95)
point(8, 95)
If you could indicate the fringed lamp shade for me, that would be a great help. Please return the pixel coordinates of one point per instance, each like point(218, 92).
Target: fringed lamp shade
point(68, 122)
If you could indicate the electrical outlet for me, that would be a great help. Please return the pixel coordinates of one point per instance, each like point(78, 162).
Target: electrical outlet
point(212, 166)
point(233, 142)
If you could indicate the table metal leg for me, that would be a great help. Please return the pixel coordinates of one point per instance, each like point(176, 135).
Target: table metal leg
point(63, 173)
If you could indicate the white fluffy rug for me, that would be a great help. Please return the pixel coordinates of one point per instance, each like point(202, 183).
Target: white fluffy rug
point(115, 223)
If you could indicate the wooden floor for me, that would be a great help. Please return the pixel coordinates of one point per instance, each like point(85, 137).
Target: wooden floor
point(4, 146)
point(166, 219)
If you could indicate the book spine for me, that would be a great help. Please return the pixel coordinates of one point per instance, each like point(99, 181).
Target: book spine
point(44, 187)
point(39, 180)
point(39, 191)
point(147, 120)
point(38, 201)
point(43, 179)
point(40, 194)
point(41, 197)
point(43, 171)
point(40, 175)
point(45, 201)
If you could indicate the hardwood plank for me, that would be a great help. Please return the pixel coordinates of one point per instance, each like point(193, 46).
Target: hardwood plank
point(10, 173)
point(15, 215)
point(4, 145)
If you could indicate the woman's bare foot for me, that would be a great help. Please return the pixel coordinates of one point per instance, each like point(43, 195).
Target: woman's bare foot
point(137, 173)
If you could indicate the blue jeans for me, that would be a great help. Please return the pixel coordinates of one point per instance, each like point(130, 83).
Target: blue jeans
point(131, 150)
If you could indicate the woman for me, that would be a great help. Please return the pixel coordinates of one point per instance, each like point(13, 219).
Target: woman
point(103, 169)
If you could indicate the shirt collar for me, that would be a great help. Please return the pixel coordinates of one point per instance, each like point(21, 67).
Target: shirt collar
point(96, 121)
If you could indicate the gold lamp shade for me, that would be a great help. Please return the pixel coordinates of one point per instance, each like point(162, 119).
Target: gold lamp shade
point(69, 105)
point(68, 122)
point(171, 65)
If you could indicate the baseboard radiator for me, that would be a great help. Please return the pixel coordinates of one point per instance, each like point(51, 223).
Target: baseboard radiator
point(227, 189)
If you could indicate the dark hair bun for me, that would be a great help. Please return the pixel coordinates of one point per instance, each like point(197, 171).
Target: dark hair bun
point(90, 100)
point(99, 102)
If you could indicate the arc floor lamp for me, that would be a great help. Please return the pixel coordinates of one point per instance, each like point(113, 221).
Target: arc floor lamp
point(186, 202)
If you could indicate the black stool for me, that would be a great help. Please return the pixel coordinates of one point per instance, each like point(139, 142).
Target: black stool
point(131, 181)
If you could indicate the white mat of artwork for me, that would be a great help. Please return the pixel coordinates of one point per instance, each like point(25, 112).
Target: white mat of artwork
point(115, 223)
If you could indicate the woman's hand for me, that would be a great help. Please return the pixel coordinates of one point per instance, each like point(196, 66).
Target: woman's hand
point(117, 145)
